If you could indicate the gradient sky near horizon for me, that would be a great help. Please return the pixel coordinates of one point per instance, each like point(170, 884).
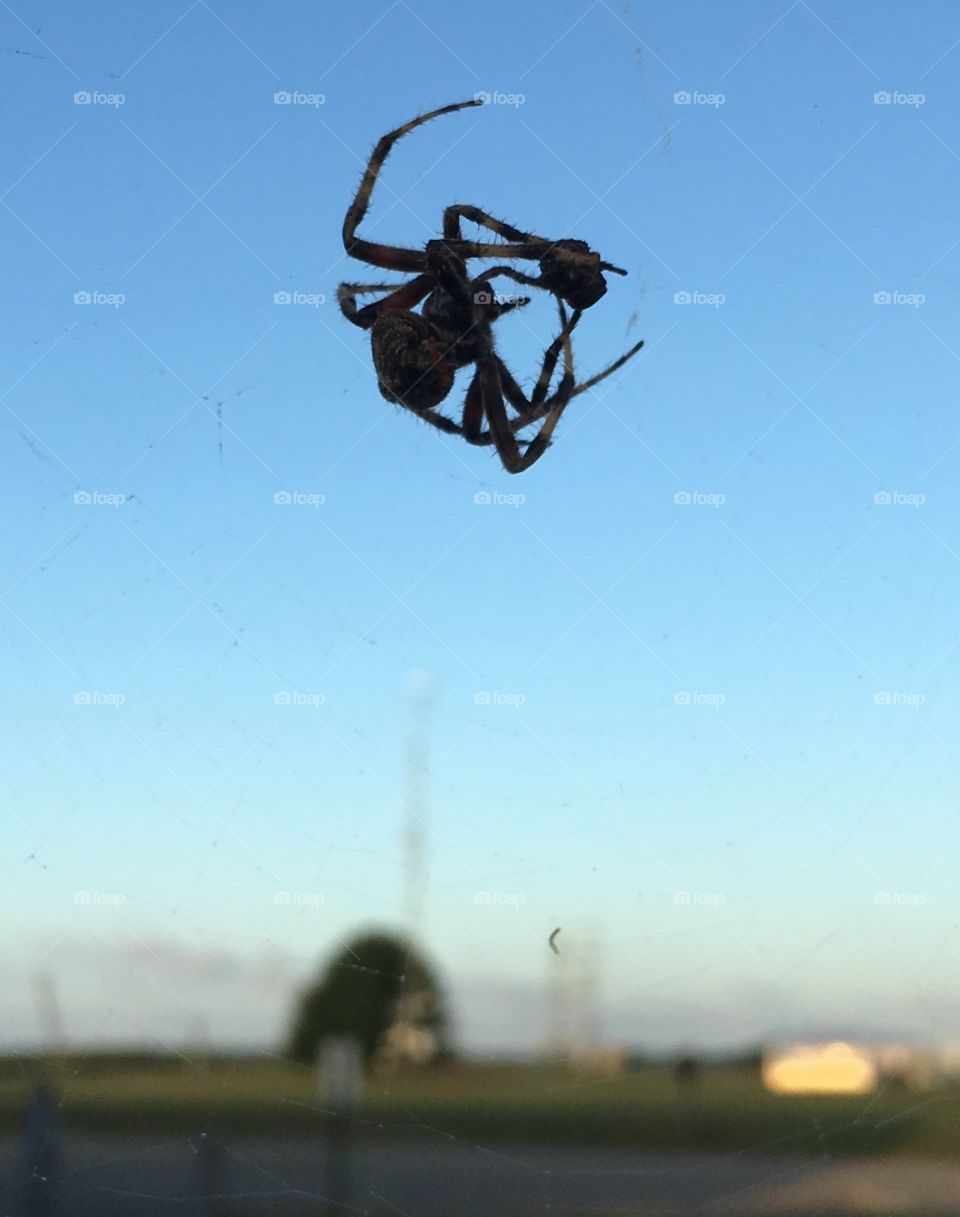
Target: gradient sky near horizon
point(693, 676)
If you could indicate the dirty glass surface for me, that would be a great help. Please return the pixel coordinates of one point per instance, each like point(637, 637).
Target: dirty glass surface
point(626, 785)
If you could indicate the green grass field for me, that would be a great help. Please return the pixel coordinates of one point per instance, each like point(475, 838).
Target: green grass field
point(489, 1104)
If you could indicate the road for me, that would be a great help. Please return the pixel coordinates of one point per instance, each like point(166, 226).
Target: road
point(113, 1177)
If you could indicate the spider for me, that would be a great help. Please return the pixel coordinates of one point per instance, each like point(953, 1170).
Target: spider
point(416, 355)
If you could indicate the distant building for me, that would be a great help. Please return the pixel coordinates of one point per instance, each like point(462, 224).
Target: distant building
point(605, 1059)
point(837, 1068)
point(915, 1068)
point(842, 1067)
point(948, 1060)
point(409, 1040)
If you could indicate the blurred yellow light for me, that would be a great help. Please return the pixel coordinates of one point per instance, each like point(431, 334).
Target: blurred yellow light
point(820, 1069)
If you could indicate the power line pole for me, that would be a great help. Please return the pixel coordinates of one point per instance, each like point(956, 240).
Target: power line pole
point(49, 1018)
point(416, 800)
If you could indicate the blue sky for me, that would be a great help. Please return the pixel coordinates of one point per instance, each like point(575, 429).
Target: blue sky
point(693, 673)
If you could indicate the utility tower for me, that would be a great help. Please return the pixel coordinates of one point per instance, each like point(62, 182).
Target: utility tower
point(49, 1019)
point(409, 1039)
point(572, 988)
point(416, 798)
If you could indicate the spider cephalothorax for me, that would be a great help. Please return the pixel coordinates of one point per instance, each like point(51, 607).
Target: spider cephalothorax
point(574, 272)
point(416, 354)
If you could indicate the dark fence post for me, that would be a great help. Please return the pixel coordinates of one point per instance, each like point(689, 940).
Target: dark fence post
point(339, 1172)
point(40, 1165)
point(210, 1175)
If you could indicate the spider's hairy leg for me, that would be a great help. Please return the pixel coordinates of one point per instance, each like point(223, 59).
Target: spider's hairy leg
point(473, 411)
point(535, 408)
point(539, 405)
point(499, 307)
point(569, 269)
point(534, 247)
point(453, 214)
point(387, 256)
point(528, 411)
point(402, 295)
point(485, 298)
point(495, 384)
point(486, 308)
point(551, 355)
point(516, 275)
point(618, 363)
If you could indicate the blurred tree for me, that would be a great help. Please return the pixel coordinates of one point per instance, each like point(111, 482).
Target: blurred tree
point(379, 989)
point(687, 1073)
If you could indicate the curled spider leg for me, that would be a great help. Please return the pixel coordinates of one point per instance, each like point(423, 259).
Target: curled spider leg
point(538, 406)
point(388, 256)
point(532, 410)
point(456, 212)
point(505, 436)
point(495, 382)
point(528, 411)
point(402, 295)
point(617, 363)
point(535, 413)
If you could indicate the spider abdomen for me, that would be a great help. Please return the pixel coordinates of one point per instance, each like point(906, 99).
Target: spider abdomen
point(414, 366)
